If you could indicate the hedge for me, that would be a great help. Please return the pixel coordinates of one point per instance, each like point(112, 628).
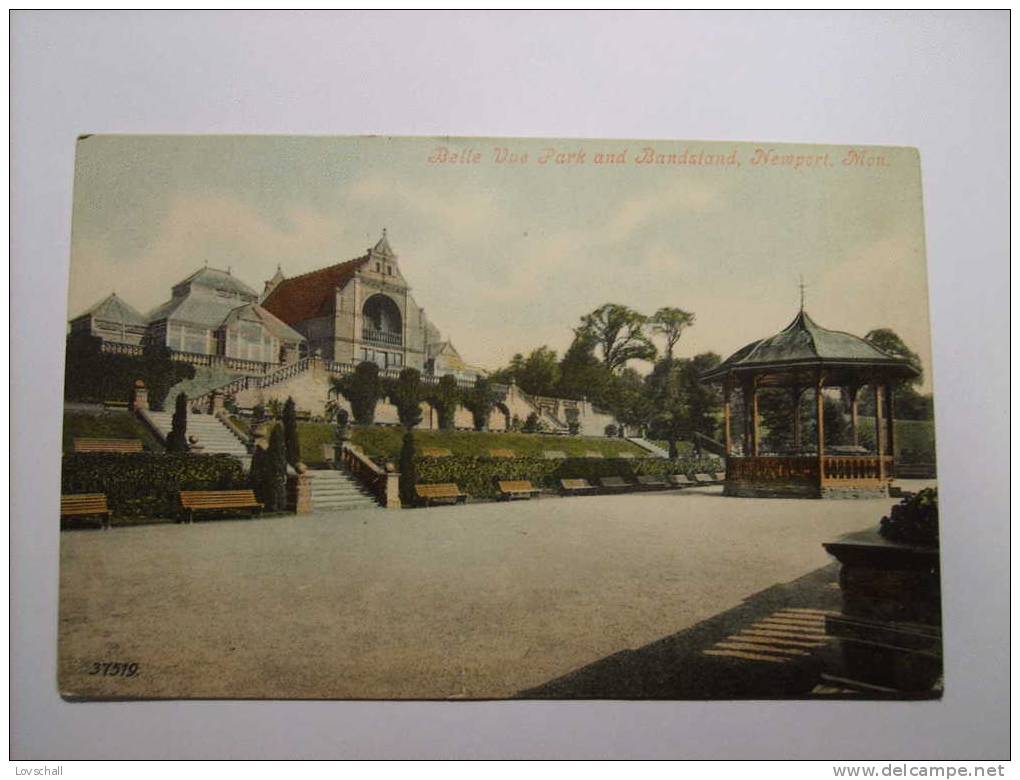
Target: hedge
point(476, 475)
point(146, 484)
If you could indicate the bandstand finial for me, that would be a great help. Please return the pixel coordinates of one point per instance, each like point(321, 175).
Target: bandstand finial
point(802, 288)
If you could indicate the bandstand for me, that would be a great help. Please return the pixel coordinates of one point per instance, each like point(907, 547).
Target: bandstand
point(807, 357)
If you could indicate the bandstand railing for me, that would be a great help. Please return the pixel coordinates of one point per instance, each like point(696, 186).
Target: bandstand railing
point(805, 468)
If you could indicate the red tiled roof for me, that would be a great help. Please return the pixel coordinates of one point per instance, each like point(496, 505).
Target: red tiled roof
point(309, 295)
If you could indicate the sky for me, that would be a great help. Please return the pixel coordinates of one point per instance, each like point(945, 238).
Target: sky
point(507, 256)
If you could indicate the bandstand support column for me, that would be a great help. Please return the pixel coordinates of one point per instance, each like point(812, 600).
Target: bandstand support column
point(820, 426)
point(879, 433)
point(890, 427)
point(727, 412)
point(754, 418)
point(796, 417)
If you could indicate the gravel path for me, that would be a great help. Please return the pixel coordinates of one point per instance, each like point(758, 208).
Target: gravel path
point(478, 601)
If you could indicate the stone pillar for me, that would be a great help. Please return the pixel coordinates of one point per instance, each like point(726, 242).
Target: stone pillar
point(299, 491)
point(392, 487)
point(879, 433)
point(139, 396)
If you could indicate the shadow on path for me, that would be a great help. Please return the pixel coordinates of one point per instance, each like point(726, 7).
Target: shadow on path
point(676, 668)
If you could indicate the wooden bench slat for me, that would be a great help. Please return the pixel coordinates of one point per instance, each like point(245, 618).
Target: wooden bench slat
point(517, 488)
point(85, 505)
point(576, 485)
point(84, 444)
point(193, 500)
point(441, 490)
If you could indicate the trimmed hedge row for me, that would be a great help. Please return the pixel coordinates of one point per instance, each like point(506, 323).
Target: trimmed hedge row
point(476, 475)
point(146, 484)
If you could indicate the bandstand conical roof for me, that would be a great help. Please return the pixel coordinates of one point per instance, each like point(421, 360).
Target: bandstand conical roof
point(804, 345)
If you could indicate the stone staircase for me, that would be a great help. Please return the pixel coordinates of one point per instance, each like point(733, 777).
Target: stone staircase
point(652, 449)
point(213, 436)
point(334, 491)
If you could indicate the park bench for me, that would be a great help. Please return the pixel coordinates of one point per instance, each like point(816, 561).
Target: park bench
point(705, 479)
point(218, 501)
point(650, 482)
point(580, 486)
point(107, 445)
point(500, 453)
point(554, 454)
point(516, 488)
point(614, 484)
point(444, 491)
point(85, 505)
point(680, 480)
point(436, 452)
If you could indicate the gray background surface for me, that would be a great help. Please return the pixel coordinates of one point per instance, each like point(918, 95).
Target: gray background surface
point(937, 81)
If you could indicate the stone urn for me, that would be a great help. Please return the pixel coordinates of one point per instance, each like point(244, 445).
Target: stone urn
point(341, 434)
point(890, 626)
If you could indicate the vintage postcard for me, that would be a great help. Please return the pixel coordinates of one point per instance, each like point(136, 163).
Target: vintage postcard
point(476, 418)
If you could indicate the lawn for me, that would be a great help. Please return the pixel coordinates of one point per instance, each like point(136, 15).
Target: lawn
point(385, 442)
point(106, 424)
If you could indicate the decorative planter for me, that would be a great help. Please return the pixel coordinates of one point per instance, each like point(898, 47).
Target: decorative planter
point(890, 628)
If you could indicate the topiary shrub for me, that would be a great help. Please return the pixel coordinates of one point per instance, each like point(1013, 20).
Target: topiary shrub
point(362, 389)
point(444, 399)
point(915, 520)
point(177, 439)
point(408, 471)
point(480, 401)
point(146, 484)
point(290, 432)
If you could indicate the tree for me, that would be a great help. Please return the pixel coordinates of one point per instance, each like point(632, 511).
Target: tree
point(406, 395)
point(362, 389)
point(276, 471)
point(537, 374)
point(681, 404)
point(533, 424)
point(444, 399)
point(908, 402)
point(888, 341)
point(177, 439)
point(480, 401)
point(627, 400)
point(670, 323)
point(582, 374)
point(618, 332)
point(290, 431)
